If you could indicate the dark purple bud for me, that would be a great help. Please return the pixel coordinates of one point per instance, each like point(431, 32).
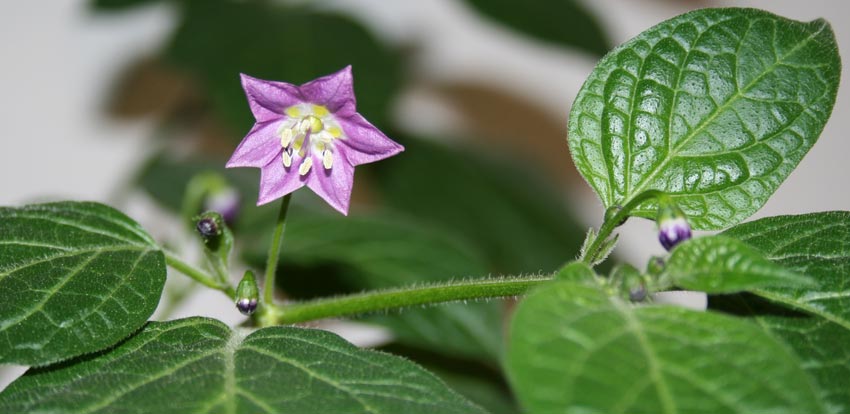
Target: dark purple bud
point(637, 293)
point(246, 306)
point(208, 227)
point(247, 293)
point(673, 227)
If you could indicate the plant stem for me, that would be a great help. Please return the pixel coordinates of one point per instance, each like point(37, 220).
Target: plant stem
point(614, 221)
point(199, 275)
point(274, 251)
point(403, 297)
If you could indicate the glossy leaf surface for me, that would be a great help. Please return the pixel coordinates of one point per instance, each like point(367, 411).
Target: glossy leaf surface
point(199, 365)
point(816, 245)
point(74, 278)
point(714, 107)
point(719, 264)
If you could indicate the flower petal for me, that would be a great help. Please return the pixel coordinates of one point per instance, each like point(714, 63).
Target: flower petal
point(333, 185)
point(268, 99)
point(258, 147)
point(334, 91)
point(365, 142)
point(277, 181)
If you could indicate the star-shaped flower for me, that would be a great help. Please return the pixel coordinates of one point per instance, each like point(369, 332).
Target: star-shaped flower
point(308, 135)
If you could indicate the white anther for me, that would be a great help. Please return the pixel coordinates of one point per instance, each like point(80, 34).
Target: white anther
point(305, 166)
point(287, 158)
point(286, 137)
point(327, 159)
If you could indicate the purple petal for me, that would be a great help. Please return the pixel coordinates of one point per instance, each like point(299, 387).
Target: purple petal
point(333, 185)
point(365, 142)
point(258, 147)
point(277, 181)
point(334, 91)
point(268, 99)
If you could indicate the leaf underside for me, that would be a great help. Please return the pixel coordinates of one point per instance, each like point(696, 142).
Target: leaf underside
point(816, 245)
point(714, 107)
point(74, 278)
point(574, 349)
point(199, 365)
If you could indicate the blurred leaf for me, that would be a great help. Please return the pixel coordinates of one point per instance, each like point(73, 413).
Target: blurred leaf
point(115, 5)
point(218, 39)
point(507, 210)
point(562, 22)
point(719, 264)
point(74, 278)
point(816, 245)
point(714, 107)
point(372, 253)
point(199, 365)
point(574, 349)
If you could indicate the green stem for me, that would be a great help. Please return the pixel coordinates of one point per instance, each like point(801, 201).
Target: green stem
point(401, 298)
point(199, 275)
point(614, 221)
point(274, 251)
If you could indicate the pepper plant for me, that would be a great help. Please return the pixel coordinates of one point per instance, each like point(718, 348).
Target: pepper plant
point(693, 123)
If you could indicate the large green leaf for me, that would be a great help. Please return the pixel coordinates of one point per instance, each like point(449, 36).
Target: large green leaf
point(218, 39)
point(517, 218)
point(563, 22)
point(720, 264)
point(573, 349)
point(715, 107)
point(199, 365)
point(74, 278)
point(817, 245)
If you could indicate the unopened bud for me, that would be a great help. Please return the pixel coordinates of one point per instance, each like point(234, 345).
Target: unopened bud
point(208, 227)
point(673, 227)
point(247, 294)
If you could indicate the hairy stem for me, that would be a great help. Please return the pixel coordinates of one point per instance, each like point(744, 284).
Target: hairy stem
point(197, 274)
point(401, 298)
point(612, 222)
point(274, 251)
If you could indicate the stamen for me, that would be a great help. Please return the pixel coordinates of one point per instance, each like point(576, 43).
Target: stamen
point(304, 126)
point(287, 158)
point(305, 166)
point(286, 137)
point(327, 159)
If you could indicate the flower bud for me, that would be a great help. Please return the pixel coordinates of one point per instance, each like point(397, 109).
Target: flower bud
point(247, 294)
point(208, 227)
point(673, 227)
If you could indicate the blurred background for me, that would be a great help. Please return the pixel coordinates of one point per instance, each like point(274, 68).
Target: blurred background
point(128, 101)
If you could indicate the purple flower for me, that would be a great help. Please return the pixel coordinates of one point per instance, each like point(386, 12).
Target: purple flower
point(308, 135)
point(673, 227)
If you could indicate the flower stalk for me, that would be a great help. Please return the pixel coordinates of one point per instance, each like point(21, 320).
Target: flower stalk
point(613, 221)
point(274, 252)
point(383, 300)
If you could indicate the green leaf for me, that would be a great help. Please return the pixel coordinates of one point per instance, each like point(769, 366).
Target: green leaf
point(817, 245)
point(199, 365)
point(219, 39)
point(720, 264)
point(714, 107)
point(574, 349)
point(74, 278)
point(506, 209)
point(565, 22)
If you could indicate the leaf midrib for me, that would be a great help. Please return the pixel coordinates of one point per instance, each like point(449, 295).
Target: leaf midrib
point(739, 93)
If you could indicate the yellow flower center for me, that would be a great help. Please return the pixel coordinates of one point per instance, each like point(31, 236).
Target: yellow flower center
point(309, 130)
